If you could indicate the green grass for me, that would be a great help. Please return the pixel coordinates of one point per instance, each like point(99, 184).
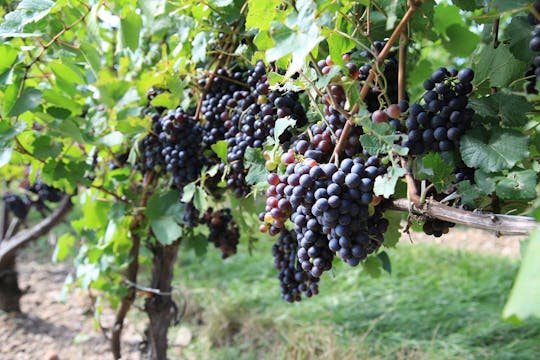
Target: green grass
point(436, 304)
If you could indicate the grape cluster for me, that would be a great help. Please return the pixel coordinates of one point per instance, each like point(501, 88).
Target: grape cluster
point(174, 146)
point(224, 232)
point(386, 84)
point(241, 109)
point(19, 206)
point(46, 192)
point(437, 227)
point(181, 138)
point(150, 147)
point(439, 123)
point(294, 280)
point(534, 71)
point(329, 206)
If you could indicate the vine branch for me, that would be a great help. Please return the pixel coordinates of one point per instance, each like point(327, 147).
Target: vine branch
point(498, 223)
point(12, 244)
point(133, 267)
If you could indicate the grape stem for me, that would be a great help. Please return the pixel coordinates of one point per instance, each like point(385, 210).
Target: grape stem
point(403, 41)
point(372, 73)
point(412, 191)
point(500, 224)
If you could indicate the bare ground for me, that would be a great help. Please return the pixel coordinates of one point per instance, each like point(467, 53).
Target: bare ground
point(52, 330)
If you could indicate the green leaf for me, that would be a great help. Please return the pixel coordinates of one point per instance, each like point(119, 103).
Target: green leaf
point(461, 41)
point(112, 139)
point(493, 150)
point(162, 203)
point(220, 148)
point(298, 37)
point(281, 125)
point(261, 14)
point(497, 66)
point(518, 185)
point(7, 56)
point(200, 42)
point(373, 265)
point(434, 168)
point(485, 183)
point(29, 100)
point(200, 199)
point(92, 57)
point(338, 45)
point(523, 301)
point(130, 28)
point(164, 210)
point(198, 242)
point(446, 15)
point(27, 12)
point(5, 155)
point(469, 5)
point(505, 5)
point(468, 193)
point(385, 185)
point(64, 246)
point(46, 147)
point(385, 261)
point(188, 192)
point(166, 230)
point(380, 138)
point(67, 73)
point(519, 36)
point(510, 109)
point(393, 234)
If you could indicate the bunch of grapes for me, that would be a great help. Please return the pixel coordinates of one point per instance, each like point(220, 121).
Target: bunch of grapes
point(181, 138)
point(19, 206)
point(150, 148)
point(174, 146)
point(437, 227)
point(243, 111)
point(386, 86)
point(46, 192)
point(293, 279)
point(534, 71)
point(439, 123)
point(224, 232)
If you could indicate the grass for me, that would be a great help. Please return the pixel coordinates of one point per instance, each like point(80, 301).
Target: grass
point(436, 304)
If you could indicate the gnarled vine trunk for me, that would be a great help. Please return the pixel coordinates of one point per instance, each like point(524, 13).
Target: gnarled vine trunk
point(10, 293)
point(161, 308)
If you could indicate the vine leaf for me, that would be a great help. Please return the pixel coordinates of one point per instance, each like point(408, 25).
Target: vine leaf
point(373, 265)
point(510, 109)
point(29, 100)
point(392, 235)
point(498, 66)
point(385, 261)
point(385, 185)
point(130, 27)
point(298, 36)
point(163, 212)
point(520, 305)
point(27, 12)
point(519, 35)
point(517, 185)
point(495, 150)
point(434, 168)
point(5, 155)
point(261, 14)
point(220, 148)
